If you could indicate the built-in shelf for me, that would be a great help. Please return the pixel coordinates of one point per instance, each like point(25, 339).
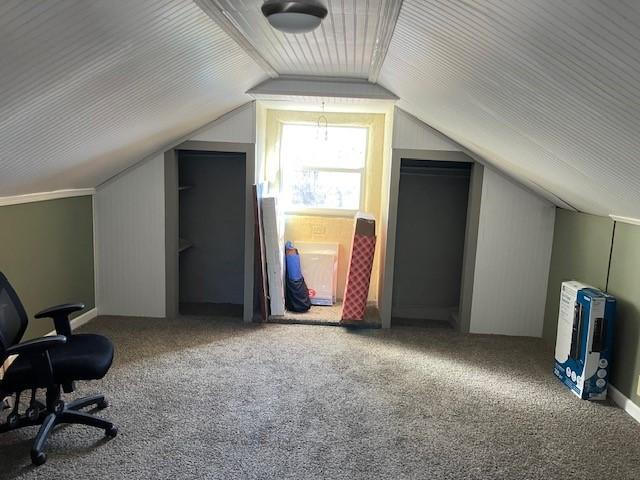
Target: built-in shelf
point(183, 245)
point(184, 187)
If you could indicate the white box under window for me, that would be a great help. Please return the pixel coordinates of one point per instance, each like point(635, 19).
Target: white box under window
point(319, 263)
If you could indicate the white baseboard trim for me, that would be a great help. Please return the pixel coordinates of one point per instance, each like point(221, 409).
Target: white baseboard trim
point(77, 322)
point(42, 196)
point(80, 320)
point(624, 403)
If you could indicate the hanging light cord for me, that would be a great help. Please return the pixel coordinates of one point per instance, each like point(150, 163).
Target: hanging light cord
point(321, 119)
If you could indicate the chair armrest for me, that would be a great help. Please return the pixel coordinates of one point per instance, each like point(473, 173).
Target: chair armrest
point(37, 345)
point(64, 309)
point(37, 353)
point(60, 315)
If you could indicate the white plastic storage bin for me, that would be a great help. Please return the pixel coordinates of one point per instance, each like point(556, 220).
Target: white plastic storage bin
point(319, 262)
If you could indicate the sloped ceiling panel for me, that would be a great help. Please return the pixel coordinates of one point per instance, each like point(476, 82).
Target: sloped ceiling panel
point(547, 90)
point(347, 43)
point(90, 87)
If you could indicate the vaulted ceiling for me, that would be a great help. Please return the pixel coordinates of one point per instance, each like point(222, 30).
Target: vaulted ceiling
point(350, 42)
point(546, 90)
point(89, 87)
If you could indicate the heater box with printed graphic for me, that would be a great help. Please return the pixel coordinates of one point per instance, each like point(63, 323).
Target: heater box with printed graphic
point(584, 340)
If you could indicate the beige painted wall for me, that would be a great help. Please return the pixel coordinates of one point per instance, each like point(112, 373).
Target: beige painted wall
point(585, 248)
point(331, 228)
point(581, 247)
point(46, 252)
point(624, 284)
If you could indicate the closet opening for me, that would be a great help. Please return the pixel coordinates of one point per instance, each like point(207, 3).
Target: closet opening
point(433, 199)
point(211, 232)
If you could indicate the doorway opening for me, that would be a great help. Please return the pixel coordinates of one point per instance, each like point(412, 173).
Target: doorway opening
point(430, 241)
point(211, 226)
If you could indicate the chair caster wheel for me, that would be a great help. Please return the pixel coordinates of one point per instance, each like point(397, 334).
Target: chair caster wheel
point(12, 420)
point(111, 432)
point(103, 404)
point(38, 458)
point(58, 406)
point(32, 413)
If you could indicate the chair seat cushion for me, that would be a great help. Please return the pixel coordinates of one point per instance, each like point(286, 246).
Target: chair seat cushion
point(84, 357)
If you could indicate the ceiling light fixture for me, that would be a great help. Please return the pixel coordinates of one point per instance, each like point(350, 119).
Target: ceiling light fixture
point(298, 16)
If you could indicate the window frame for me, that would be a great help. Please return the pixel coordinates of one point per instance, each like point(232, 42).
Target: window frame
point(362, 171)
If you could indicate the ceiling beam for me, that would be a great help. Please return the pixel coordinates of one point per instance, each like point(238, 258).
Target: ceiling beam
point(312, 86)
point(219, 15)
point(387, 20)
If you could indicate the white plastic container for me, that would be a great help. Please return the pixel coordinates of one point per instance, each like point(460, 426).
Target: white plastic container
point(319, 263)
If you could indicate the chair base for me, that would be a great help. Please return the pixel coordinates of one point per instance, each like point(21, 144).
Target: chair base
point(57, 413)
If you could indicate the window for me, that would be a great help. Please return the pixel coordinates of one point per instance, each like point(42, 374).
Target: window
point(323, 169)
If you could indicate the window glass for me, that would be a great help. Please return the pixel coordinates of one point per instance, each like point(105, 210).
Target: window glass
point(323, 167)
point(321, 189)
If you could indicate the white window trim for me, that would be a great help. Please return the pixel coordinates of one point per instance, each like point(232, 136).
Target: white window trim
point(327, 212)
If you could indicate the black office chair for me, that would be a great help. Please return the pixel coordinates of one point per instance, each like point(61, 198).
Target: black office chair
point(53, 363)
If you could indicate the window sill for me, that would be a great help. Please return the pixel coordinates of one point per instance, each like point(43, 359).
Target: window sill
point(321, 212)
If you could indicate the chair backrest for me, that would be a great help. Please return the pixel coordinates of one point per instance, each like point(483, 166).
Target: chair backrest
point(13, 317)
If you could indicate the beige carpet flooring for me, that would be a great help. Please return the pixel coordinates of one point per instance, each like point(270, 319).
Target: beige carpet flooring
point(200, 398)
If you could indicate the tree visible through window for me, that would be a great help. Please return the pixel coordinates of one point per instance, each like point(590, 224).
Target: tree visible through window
point(323, 167)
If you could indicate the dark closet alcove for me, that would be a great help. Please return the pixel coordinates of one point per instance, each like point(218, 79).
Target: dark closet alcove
point(211, 218)
point(430, 238)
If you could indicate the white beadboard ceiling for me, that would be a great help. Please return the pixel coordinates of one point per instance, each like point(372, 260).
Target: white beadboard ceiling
point(90, 87)
point(350, 42)
point(546, 90)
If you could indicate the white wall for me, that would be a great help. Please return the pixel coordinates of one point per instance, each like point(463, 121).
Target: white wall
point(237, 126)
point(130, 242)
point(411, 133)
point(261, 140)
point(515, 234)
point(387, 222)
point(130, 225)
point(512, 259)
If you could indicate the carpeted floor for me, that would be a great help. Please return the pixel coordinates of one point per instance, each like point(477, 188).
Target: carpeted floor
point(317, 315)
point(327, 315)
point(212, 398)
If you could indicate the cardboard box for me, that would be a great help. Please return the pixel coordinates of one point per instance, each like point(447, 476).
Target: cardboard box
point(360, 264)
point(584, 340)
point(365, 224)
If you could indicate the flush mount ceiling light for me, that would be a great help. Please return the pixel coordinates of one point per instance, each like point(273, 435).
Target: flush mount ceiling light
point(298, 16)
